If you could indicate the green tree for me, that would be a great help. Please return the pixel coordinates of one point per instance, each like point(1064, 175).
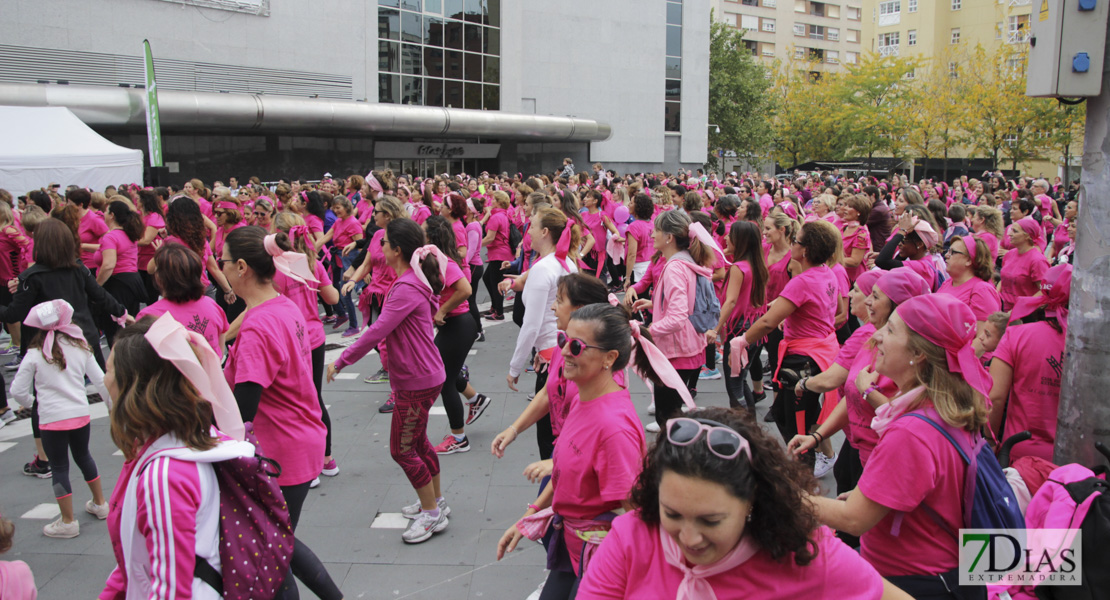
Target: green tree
point(1063, 125)
point(808, 124)
point(739, 100)
point(996, 112)
point(875, 94)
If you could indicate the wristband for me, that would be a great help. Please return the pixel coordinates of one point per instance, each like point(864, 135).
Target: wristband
point(817, 436)
point(513, 427)
point(534, 507)
point(870, 389)
point(802, 383)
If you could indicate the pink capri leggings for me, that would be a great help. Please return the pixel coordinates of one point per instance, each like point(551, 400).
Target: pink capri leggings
point(408, 436)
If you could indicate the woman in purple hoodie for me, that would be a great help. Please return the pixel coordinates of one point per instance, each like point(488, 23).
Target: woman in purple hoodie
point(416, 371)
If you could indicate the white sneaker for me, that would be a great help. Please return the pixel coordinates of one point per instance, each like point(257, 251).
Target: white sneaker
point(100, 510)
point(651, 408)
point(539, 591)
point(61, 529)
point(652, 427)
point(315, 483)
point(423, 527)
point(7, 416)
point(823, 465)
point(410, 511)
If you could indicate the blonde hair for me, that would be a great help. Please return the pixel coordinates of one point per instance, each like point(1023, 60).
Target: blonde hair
point(830, 230)
point(502, 199)
point(284, 221)
point(952, 397)
point(781, 220)
point(6, 216)
point(554, 221)
point(391, 206)
point(992, 220)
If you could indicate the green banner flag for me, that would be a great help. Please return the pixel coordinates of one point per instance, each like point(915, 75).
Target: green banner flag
point(153, 124)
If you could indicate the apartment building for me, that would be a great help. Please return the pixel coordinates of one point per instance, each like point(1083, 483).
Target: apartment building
point(830, 33)
point(930, 28)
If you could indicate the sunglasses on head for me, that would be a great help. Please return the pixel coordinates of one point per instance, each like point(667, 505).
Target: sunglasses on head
point(577, 346)
point(722, 440)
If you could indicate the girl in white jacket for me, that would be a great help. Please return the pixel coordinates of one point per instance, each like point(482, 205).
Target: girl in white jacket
point(53, 374)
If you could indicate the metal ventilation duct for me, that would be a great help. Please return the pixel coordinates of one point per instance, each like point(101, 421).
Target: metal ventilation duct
point(123, 108)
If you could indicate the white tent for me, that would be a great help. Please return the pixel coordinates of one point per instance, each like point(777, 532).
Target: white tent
point(39, 146)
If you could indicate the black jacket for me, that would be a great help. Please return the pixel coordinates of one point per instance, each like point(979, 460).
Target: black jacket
point(77, 286)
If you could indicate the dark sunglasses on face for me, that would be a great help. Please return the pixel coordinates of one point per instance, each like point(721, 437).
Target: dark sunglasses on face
point(577, 346)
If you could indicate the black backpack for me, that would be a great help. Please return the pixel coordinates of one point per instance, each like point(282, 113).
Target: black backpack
point(515, 238)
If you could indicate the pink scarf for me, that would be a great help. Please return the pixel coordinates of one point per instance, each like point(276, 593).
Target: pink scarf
point(694, 585)
point(419, 255)
point(293, 265)
point(889, 412)
point(659, 363)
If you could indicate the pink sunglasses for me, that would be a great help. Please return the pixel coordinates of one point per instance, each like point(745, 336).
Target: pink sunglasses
point(722, 440)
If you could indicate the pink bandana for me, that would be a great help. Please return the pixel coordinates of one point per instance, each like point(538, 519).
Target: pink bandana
point(867, 280)
point(197, 361)
point(419, 255)
point(562, 247)
point(1033, 229)
point(949, 323)
point(698, 231)
point(925, 231)
point(293, 265)
point(374, 183)
point(225, 205)
point(901, 284)
point(969, 242)
point(51, 316)
point(1055, 294)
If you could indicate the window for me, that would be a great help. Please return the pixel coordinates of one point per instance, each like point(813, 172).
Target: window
point(749, 22)
point(853, 35)
point(432, 57)
point(851, 57)
point(832, 57)
point(890, 13)
point(832, 34)
point(888, 44)
point(750, 2)
point(768, 49)
point(816, 32)
point(998, 30)
point(800, 6)
point(769, 25)
point(799, 52)
point(911, 37)
point(770, 3)
point(672, 112)
point(1017, 29)
point(855, 13)
point(957, 4)
point(799, 29)
point(752, 46)
point(832, 11)
point(911, 6)
point(953, 69)
point(911, 74)
point(817, 9)
point(955, 35)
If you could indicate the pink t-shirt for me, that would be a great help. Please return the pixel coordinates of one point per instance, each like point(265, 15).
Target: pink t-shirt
point(777, 276)
point(272, 351)
point(641, 232)
point(315, 224)
point(498, 249)
point(860, 238)
point(16, 581)
point(1035, 351)
point(90, 230)
point(207, 252)
point(305, 299)
point(474, 244)
point(631, 564)
point(913, 464)
point(454, 274)
point(562, 394)
point(460, 234)
point(203, 316)
point(12, 243)
point(345, 231)
point(814, 293)
point(843, 285)
point(991, 241)
point(420, 213)
point(381, 274)
point(146, 252)
point(860, 411)
point(221, 235)
point(205, 208)
point(979, 295)
point(1021, 275)
point(597, 459)
point(127, 252)
point(595, 222)
point(766, 203)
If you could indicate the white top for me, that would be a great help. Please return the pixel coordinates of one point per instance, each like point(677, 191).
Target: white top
point(538, 296)
point(61, 394)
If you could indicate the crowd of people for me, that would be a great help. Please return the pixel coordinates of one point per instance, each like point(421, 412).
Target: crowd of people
point(849, 303)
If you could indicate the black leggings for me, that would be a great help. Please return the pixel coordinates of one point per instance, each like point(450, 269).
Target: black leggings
point(475, 277)
point(492, 277)
point(545, 438)
point(35, 432)
point(668, 404)
point(306, 566)
point(847, 471)
point(454, 339)
point(58, 446)
point(787, 405)
point(736, 385)
point(318, 379)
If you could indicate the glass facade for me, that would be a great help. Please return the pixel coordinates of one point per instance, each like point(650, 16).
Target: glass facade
point(672, 117)
point(440, 53)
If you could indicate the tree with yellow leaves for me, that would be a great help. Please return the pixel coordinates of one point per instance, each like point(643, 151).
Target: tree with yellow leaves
point(874, 95)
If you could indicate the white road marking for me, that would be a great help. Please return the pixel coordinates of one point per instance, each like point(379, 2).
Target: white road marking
point(46, 511)
point(389, 521)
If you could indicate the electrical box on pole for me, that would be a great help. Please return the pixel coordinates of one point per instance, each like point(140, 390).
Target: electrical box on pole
point(1066, 43)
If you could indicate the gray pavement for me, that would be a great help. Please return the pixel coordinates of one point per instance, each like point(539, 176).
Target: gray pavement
point(349, 521)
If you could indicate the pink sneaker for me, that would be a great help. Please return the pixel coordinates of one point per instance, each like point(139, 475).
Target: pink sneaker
point(350, 331)
point(331, 469)
point(450, 445)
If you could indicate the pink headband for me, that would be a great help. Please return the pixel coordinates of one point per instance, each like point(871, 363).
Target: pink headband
point(901, 284)
point(866, 281)
point(1055, 294)
point(1032, 228)
point(925, 231)
point(789, 208)
point(373, 183)
point(562, 247)
point(949, 323)
point(470, 206)
point(969, 242)
point(419, 255)
point(51, 316)
point(197, 361)
point(293, 265)
point(226, 205)
point(297, 231)
point(698, 231)
point(659, 363)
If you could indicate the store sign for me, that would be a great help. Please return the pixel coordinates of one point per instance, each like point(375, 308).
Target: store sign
point(434, 150)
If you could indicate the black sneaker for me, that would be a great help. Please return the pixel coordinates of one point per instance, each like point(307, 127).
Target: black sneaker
point(388, 406)
point(37, 468)
point(481, 336)
point(476, 408)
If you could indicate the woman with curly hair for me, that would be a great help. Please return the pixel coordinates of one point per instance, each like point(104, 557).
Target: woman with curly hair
point(185, 225)
point(720, 509)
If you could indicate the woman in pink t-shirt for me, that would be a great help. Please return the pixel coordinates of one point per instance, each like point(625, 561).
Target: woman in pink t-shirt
point(154, 228)
point(343, 233)
point(1025, 265)
point(915, 477)
point(745, 291)
point(228, 213)
point(638, 240)
point(1028, 364)
point(600, 450)
point(856, 236)
point(778, 235)
point(970, 271)
point(269, 368)
point(177, 279)
point(119, 267)
point(710, 524)
point(498, 251)
point(807, 310)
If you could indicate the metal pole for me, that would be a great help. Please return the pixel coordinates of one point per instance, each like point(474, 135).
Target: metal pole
point(1084, 416)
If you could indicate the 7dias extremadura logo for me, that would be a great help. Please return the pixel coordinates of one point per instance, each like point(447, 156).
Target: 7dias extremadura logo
point(1021, 557)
